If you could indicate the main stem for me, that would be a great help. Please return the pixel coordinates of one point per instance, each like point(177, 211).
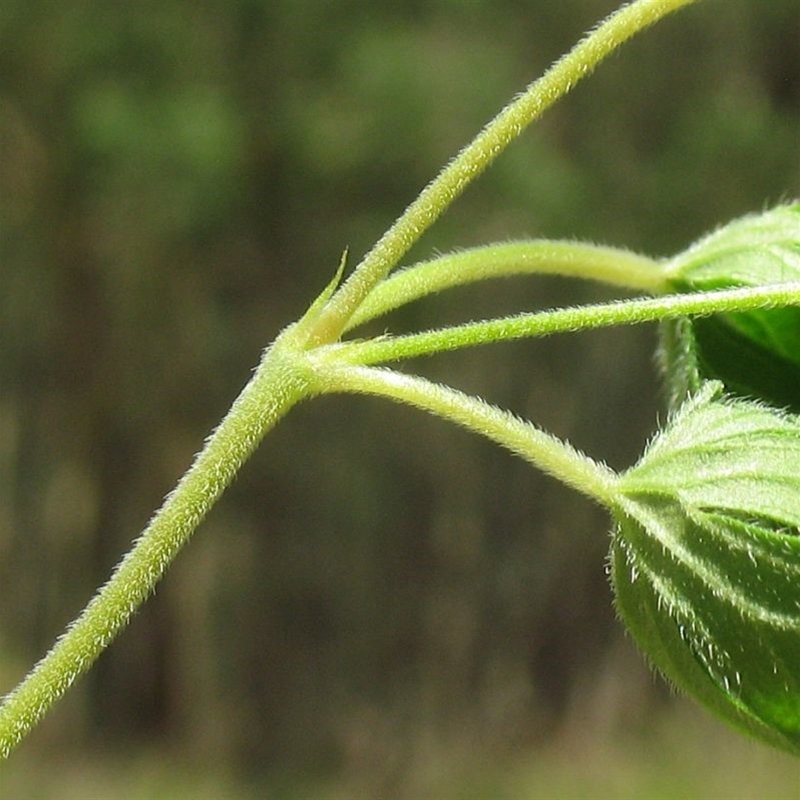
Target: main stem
point(272, 391)
point(437, 196)
point(278, 385)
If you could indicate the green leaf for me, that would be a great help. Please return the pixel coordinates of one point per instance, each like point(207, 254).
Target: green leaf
point(754, 353)
point(705, 560)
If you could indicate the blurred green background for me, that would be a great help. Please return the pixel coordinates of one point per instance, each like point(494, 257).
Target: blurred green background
point(382, 606)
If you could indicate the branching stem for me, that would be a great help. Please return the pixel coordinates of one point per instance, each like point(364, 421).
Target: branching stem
point(543, 450)
point(611, 265)
point(480, 153)
point(297, 366)
point(384, 349)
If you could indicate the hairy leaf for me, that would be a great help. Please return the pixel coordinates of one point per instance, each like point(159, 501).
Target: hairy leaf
point(705, 561)
point(754, 353)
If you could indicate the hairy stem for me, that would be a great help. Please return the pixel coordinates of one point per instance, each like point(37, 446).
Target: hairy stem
point(543, 450)
point(480, 153)
point(272, 391)
point(384, 349)
point(610, 265)
point(283, 379)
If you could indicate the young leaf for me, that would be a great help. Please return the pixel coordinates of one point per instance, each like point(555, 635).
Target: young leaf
point(754, 353)
point(705, 560)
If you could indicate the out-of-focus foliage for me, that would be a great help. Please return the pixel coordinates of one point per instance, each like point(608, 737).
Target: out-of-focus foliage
point(177, 181)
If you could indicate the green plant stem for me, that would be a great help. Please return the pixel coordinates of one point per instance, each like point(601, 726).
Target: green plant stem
point(543, 450)
point(272, 391)
point(480, 153)
point(610, 265)
point(384, 349)
point(282, 380)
